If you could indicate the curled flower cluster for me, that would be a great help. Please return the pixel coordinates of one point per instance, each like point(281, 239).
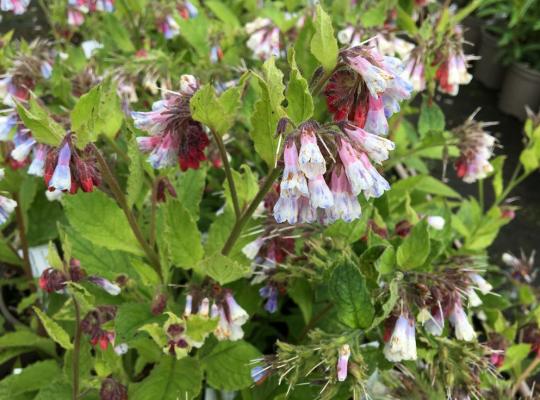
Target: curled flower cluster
point(264, 38)
point(92, 325)
point(475, 148)
point(67, 169)
point(304, 193)
point(175, 136)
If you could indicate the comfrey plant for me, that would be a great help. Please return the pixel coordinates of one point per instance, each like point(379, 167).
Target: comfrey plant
point(235, 200)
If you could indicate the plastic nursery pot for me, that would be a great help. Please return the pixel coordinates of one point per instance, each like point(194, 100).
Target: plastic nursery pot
point(521, 87)
point(472, 33)
point(489, 69)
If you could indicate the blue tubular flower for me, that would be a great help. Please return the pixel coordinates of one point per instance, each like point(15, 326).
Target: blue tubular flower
point(6, 208)
point(270, 293)
point(61, 178)
point(24, 142)
point(7, 123)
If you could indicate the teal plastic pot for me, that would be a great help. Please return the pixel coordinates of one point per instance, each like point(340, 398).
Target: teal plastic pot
point(521, 87)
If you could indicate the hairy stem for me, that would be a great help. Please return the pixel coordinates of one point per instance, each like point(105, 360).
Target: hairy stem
point(228, 173)
point(24, 242)
point(239, 225)
point(524, 375)
point(153, 213)
point(481, 193)
point(76, 350)
point(122, 201)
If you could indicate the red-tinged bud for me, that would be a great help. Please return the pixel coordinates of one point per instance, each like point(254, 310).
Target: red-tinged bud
point(403, 228)
point(508, 212)
point(113, 390)
point(159, 303)
point(141, 53)
point(164, 186)
point(50, 165)
point(52, 280)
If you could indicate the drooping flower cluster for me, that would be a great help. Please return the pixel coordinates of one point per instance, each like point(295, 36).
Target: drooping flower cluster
point(18, 7)
point(67, 169)
point(78, 8)
point(112, 390)
point(26, 69)
point(305, 196)
point(54, 280)
point(175, 136)
point(264, 38)
point(522, 268)
point(7, 205)
point(475, 147)
point(92, 325)
point(438, 296)
point(231, 316)
point(166, 23)
point(368, 90)
point(453, 63)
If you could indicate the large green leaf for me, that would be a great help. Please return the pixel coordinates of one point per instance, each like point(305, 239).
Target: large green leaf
point(131, 317)
point(299, 101)
point(351, 296)
point(268, 111)
point(171, 379)
point(55, 331)
point(218, 113)
point(44, 129)
point(223, 269)
point(323, 44)
point(227, 366)
point(181, 234)
point(97, 112)
point(414, 250)
point(98, 219)
point(189, 188)
point(31, 379)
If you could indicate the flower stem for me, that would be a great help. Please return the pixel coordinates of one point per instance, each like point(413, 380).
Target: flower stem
point(228, 174)
point(153, 213)
point(76, 350)
point(24, 242)
point(524, 375)
point(246, 215)
point(122, 201)
point(481, 193)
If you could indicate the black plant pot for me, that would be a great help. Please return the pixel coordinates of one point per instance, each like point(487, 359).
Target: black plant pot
point(473, 33)
point(489, 69)
point(521, 87)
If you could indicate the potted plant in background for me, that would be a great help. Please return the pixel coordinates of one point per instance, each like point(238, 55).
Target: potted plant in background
point(520, 48)
point(489, 70)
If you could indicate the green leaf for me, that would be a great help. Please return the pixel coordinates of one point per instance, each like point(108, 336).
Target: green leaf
point(131, 317)
point(195, 31)
point(224, 13)
point(514, 355)
point(389, 304)
point(246, 184)
point(223, 269)
point(351, 296)
point(44, 216)
point(302, 294)
point(57, 390)
point(498, 185)
point(414, 250)
point(197, 327)
point(268, 111)
point(26, 339)
point(55, 331)
point(431, 118)
point(376, 15)
point(44, 129)
point(182, 235)
point(323, 44)
point(386, 263)
point(116, 33)
point(97, 260)
point(31, 379)
point(135, 180)
point(97, 112)
point(218, 113)
point(171, 379)
point(227, 366)
point(189, 188)
point(98, 219)
point(299, 101)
